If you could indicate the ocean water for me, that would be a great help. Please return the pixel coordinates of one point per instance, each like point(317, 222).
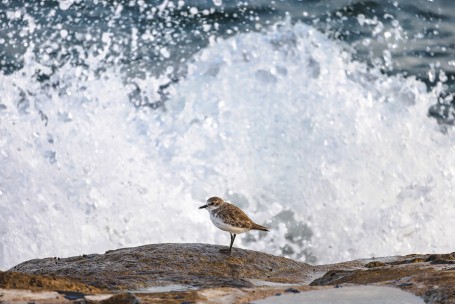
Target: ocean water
point(328, 121)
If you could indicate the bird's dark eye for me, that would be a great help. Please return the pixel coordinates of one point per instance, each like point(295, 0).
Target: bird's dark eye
point(211, 204)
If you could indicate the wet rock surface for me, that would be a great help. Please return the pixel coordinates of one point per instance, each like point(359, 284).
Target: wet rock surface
point(195, 265)
point(431, 277)
point(17, 280)
point(199, 273)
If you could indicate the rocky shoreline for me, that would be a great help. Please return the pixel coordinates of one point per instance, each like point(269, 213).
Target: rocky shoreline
point(199, 273)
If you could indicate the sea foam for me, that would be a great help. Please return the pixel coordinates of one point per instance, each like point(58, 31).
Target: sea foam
point(339, 160)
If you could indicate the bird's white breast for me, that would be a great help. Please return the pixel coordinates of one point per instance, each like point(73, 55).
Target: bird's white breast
point(218, 222)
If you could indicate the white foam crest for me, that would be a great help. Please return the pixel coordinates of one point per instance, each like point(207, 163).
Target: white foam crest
point(282, 121)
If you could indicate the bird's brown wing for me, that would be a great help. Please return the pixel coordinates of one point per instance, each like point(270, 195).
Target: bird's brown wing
point(237, 217)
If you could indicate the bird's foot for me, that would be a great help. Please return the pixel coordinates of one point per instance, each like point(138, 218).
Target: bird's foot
point(225, 251)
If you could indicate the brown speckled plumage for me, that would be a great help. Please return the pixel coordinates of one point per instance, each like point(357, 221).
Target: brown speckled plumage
point(234, 216)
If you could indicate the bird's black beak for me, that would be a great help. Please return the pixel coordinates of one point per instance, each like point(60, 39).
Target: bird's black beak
point(205, 206)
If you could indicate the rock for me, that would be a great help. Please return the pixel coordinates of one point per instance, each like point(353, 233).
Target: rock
point(123, 298)
point(292, 290)
point(417, 274)
point(434, 286)
point(442, 258)
point(334, 277)
point(17, 280)
point(410, 261)
point(195, 265)
point(375, 264)
point(22, 296)
point(198, 273)
point(448, 256)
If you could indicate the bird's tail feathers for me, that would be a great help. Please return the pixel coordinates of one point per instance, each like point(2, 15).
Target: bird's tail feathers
point(259, 227)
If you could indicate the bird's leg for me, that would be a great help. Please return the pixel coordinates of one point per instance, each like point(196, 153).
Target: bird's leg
point(232, 241)
point(228, 251)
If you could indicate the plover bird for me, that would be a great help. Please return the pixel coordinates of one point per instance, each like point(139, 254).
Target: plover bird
point(230, 218)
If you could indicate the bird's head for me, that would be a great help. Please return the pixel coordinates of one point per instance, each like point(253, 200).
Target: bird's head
point(213, 203)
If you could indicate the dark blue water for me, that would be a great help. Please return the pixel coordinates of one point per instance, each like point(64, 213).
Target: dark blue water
point(414, 38)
